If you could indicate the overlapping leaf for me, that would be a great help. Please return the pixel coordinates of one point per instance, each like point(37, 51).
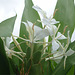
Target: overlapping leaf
point(6, 27)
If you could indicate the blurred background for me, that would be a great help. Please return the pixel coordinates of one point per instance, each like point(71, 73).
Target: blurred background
point(9, 8)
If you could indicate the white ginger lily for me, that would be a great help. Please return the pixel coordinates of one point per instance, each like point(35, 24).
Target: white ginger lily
point(53, 31)
point(49, 23)
point(55, 42)
point(59, 55)
point(62, 51)
point(11, 52)
point(46, 21)
point(35, 32)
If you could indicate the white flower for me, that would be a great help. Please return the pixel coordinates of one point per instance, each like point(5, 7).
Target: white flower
point(38, 9)
point(53, 30)
point(35, 32)
point(49, 21)
point(59, 37)
point(59, 55)
point(46, 21)
point(55, 42)
point(62, 51)
point(11, 52)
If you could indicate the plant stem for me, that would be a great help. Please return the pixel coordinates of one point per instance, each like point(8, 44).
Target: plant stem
point(32, 46)
point(47, 56)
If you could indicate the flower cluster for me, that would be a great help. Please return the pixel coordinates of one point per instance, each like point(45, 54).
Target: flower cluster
point(36, 34)
point(10, 51)
point(57, 47)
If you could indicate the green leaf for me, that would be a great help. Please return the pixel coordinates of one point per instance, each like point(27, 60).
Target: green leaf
point(13, 68)
point(4, 64)
point(69, 63)
point(35, 70)
point(36, 57)
point(28, 53)
point(65, 15)
point(29, 14)
point(71, 72)
point(37, 47)
point(46, 67)
point(6, 27)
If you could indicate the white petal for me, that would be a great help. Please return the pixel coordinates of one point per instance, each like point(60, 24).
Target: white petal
point(24, 23)
point(46, 21)
point(55, 45)
point(8, 39)
point(69, 52)
point(52, 30)
point(60, 36)
point(58, 53)
point(41, 34)
point(53, 21)
point(30, 23)
point(36, 30)
point(29, 29)
point(38, 9)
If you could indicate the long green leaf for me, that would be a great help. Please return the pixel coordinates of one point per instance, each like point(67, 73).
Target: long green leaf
point(6, 27)
point(35, 70)
point(29, 14)
point(4, 64)
point(65, 15)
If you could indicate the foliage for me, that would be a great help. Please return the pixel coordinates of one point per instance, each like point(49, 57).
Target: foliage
point(30, 54)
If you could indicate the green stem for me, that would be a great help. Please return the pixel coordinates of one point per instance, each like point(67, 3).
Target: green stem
point(32, 46)
point(48, 56)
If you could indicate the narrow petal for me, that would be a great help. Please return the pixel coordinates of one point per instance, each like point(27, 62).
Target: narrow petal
point(58, 59)
point(55, 45)
point(38, 9)
point(24, 23)
point(69, 52)
point(36, 30)
point(30, 23)
point(58, 53)
point(60, 36)
point(41, 34)
point(46, 21)
point(52, 30)
point(29, 29)
point(53, 21)
point(8, 39)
